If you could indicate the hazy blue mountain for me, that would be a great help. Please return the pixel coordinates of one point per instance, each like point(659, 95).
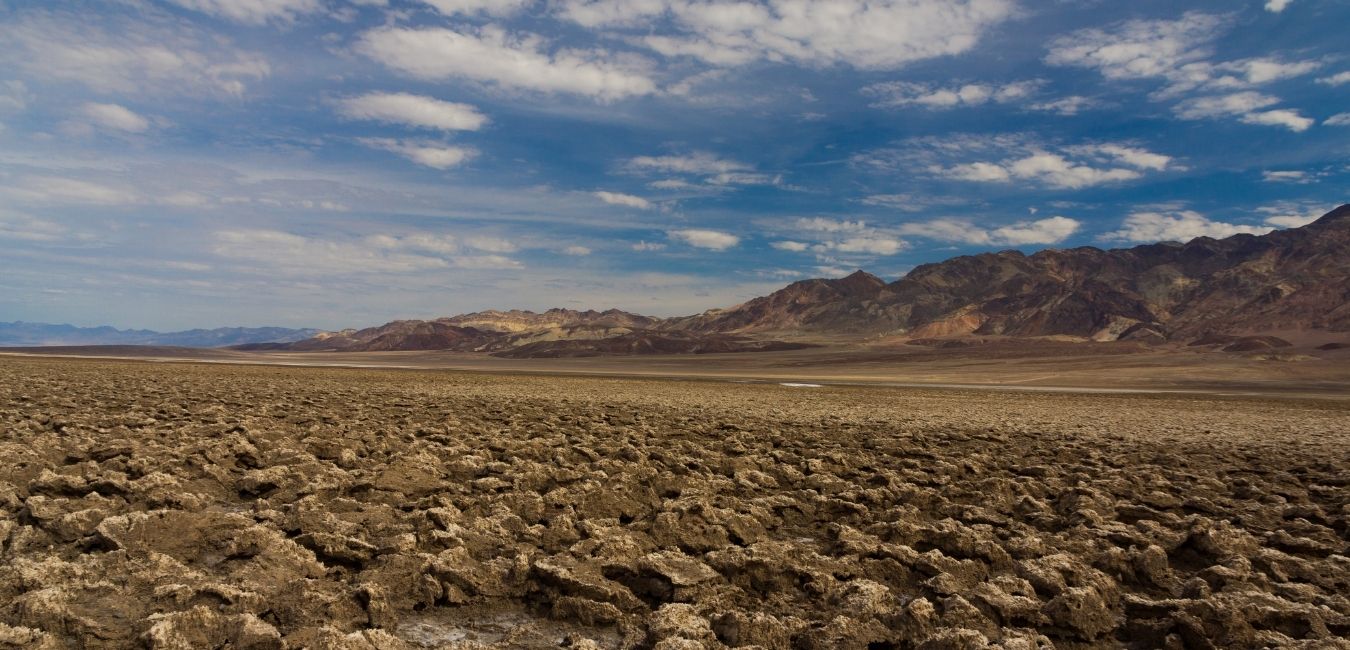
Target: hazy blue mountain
point(22, 334)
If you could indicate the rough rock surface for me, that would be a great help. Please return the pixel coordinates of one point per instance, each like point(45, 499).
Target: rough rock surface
point(197, 506)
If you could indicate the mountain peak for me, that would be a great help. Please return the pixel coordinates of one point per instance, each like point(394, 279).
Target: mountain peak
point(1339, 216)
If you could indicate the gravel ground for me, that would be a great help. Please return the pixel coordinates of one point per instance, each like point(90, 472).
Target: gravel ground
point(195, 506)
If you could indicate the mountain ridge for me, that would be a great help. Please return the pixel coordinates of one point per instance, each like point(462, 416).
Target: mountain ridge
point(1297, 278)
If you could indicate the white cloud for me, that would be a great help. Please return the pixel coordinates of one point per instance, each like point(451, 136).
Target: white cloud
point(611, 13)
point(1293, 214)
point(822, 224)
point(115, 117)
point(252, 12)
point(1284, 117)
point(577, 251)
point(1071, 105)
point(413, 110)
point(1339, 119)
point(627, 200)
point(977, 171)
point(430, 154)
point(1338, 79)
point(275, 249)
point(647, 247)
point(269, 250)
point(1018, 157)
point(109, 54)
point(1289, 176)
point(875, 34)
point(1177, 51)
point(696, 163)
point(1176, 226)
point(709, 239)
point(1223, 105)
point(498, 8)
point(903, 93)
point(62, 190)
point(518, 61)
point(1246, 106)
point(793, 246)
point(26, 228)
point(1050, 230)
point(1276, 6)
point(491, 244)
point(873, 245)
point(1138, 49)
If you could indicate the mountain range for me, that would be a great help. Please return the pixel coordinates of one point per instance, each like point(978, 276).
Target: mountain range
point(1202, 290)
point(21, 334)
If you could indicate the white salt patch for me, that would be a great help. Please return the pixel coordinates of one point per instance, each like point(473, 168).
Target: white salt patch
point(788, 383)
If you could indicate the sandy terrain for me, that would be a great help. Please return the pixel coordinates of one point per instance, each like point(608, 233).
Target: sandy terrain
point(1012, 364)
point(231, 506)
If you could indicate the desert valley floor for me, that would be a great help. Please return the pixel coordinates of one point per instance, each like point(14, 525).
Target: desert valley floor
point(189, 505)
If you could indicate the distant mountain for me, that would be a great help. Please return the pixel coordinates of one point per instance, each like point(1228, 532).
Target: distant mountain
point(1288, 279)
point(1297, 279)
point(22, 334)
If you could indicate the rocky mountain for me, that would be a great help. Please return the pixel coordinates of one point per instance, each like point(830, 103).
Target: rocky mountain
point(22, 334)
point(1242, 285)
point(1288, 279)
point(517, 320)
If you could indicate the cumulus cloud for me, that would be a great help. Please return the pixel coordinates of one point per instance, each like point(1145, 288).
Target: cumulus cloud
point(1138, 49)
point(1005, 158)
point(876, 34)
point(1247, 106)
point(1338, 79)
point(252, 12)
point(429, 154)
point(648, 247)
point(709, 239)
point(516, 61)
point(828, 238)
point(1293, 214)
point(1177, 52)
point(1051, 230)
point(1073, 168)
point(903, 93)
point(413, 110)
point(1339, 119)
point(1276, 6)
point(1176, 226)
point(109, 54)
point(114, 117)
point(626, 200)
point(576, 251)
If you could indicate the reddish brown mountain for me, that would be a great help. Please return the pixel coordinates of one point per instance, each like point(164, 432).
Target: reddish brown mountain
point(1289, 279)
point(1297, 279)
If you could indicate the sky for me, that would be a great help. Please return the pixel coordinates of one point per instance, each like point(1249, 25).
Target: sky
point(170, 164)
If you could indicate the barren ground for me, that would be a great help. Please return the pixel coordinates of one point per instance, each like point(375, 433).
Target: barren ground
point(214, 506)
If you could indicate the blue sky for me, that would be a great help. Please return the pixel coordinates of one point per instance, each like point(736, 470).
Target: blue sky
point(330, 163)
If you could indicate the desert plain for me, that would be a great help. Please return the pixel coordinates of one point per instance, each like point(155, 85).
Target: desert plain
point(194, 505)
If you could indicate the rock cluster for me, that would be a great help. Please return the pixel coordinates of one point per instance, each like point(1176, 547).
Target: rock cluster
point(182, 506)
